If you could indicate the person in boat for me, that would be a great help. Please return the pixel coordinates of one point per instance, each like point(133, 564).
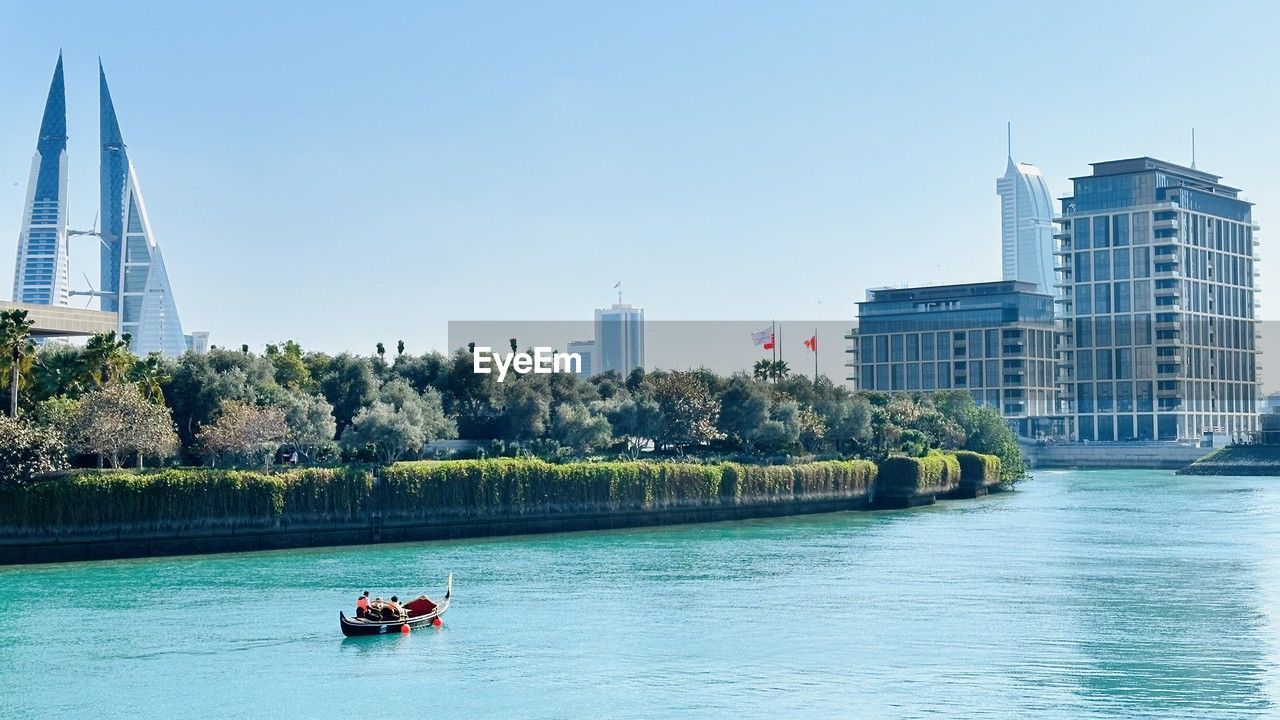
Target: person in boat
point(391, 611)
point(362, 605)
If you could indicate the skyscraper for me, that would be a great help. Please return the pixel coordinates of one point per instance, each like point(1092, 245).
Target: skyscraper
point(43, 265)
point(135, 284)
point(1158, 271)
point(1026, 222)
point(619, 344)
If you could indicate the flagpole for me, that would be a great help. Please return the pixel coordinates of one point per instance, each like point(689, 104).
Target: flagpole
point(815, 357)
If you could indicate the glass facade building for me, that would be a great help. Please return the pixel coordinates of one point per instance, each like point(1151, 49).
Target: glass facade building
point(994, 339)
point(586, 350)
point(619, 343)
point(41, 273)
point(1026, 222)
point(1157, 268)
point(135, 284)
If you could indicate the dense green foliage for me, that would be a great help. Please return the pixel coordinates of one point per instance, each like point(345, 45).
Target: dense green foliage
point(978, 469)
point(28, 451)
point(245, 409)
point(174, 497)
point(902, 476)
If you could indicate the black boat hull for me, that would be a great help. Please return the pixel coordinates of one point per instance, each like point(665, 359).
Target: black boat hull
point(359, 628)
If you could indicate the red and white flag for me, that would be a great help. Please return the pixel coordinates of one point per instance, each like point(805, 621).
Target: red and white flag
point(812, 343)
point(764, 337)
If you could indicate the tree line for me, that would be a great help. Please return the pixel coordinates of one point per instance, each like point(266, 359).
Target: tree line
point(103, 405)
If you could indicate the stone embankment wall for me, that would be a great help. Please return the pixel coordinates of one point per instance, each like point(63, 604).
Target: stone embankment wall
point(102, 515)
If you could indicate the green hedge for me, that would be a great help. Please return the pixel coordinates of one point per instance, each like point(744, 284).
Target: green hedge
point(977, 469)
point(936, 473)
point(190, 496)
point(519, 485)
point(184, 496)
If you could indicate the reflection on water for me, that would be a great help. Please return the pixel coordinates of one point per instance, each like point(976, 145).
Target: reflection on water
point(1100, 594)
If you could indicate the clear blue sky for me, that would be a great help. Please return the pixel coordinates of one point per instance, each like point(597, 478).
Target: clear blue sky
point(343, 176)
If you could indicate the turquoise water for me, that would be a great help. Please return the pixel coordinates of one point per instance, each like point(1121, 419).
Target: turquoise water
point(1101, 594)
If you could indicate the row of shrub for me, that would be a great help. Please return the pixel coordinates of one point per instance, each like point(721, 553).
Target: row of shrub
point(521, 485)
point(977, 469)
point(199, 496)
point(936, 473)
point(184, 496)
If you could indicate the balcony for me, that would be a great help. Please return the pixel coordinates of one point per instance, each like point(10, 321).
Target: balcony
point(1167, 273)
point(1173, 291)
point(1173, 392)
point(1169, 326)
point(1165, 224)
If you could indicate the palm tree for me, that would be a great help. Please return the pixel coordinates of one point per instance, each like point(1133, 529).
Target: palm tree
point(761, 369)
point(779, 370)
point(150, 374)
point(107, 357)
point(62, 372)
point(15, 340)
point(382, 351)
point(399, 348)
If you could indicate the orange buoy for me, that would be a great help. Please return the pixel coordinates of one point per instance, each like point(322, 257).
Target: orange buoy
point(404, 629)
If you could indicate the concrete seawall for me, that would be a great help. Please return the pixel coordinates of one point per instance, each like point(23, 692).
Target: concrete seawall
point(113, 543)
point(1117, 455)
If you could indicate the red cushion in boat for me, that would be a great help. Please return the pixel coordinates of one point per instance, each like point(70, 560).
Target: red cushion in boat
point(421, 606)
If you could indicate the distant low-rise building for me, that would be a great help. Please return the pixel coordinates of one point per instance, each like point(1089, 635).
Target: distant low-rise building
point(994, 339)
point(586, 350)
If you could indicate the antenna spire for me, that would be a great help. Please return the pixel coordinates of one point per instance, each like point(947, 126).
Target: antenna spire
point(1008, 130)
point(1193, 148)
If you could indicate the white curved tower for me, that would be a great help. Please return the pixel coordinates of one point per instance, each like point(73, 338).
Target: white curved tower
point(1026, 220)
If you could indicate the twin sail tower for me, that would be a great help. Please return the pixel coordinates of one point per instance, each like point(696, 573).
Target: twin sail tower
point(133, 280)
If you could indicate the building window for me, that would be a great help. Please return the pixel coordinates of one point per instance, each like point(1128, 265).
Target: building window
point(1101, 265)
point(1082, 268)
point(1120, 230)
point(1102, 298)
point(1080, 228)
point(1122, 301)
point(1100, 234)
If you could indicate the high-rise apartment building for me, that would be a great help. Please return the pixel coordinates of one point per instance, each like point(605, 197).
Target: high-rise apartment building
point(993, 339)
point(41, 272)
point(1026, 224)
point(1157, 268)
point(619, 343)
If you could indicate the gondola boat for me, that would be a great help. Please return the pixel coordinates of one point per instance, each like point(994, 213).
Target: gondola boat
point(418, 613)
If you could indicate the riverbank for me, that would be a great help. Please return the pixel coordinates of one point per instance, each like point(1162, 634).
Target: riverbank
point(99, 515)
point(1134, 455)
point(1237, 460)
